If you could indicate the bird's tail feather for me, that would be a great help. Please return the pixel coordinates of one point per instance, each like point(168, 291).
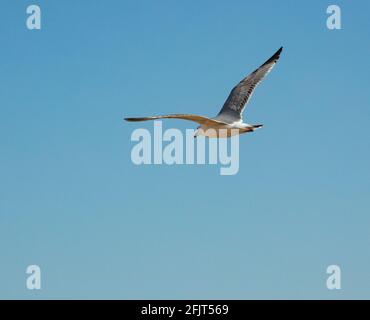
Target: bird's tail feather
point(256, 126)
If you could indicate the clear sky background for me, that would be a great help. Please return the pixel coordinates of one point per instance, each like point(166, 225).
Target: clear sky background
point(72, 202)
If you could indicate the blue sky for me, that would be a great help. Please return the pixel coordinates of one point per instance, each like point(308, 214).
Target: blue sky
point(72, 202)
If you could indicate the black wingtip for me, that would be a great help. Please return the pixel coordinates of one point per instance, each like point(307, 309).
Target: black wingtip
point(277, 53)
point(275, 56)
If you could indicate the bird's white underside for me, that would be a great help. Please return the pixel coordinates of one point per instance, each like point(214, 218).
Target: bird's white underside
point(218, 130)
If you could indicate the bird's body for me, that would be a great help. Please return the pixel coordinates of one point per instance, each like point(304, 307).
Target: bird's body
point(221, 130)
point(229, 120)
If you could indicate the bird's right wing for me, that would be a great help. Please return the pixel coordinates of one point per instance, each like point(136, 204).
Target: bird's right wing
point(191, 117)
point(241, 93)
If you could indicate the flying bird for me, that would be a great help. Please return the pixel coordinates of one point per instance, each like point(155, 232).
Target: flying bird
point(230, 115)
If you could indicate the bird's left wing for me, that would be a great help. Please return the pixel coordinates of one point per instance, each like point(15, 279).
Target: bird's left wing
point(190, 117)
point(241, 93)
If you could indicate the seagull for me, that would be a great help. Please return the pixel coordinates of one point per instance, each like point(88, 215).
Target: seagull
point(230, 115)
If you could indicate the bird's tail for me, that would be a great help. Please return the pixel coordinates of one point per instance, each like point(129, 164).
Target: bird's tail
point(256, 126)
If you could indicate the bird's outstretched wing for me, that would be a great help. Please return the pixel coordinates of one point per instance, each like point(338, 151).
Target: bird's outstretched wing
point(241, 93)
point(190, 117)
